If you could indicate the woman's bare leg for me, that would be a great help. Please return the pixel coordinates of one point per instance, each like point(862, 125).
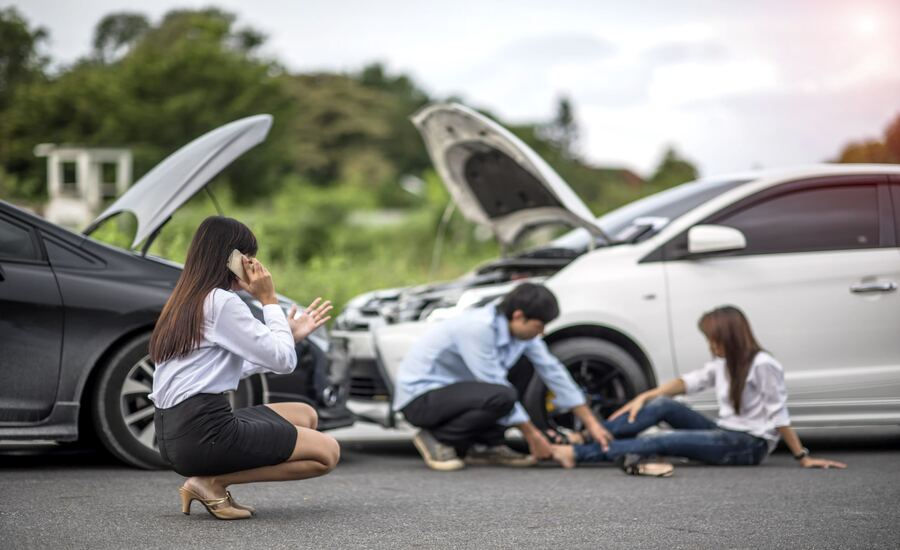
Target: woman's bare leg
point(315, 454)
point(298, 414)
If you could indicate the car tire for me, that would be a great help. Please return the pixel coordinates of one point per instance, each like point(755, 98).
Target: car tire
point(109, 405)
point(609, 375)
point(122, 411)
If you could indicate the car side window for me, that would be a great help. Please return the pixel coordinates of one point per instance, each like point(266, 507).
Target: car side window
point(62, 256)
point(813, 219)
point(16, 242)
point(895, 196)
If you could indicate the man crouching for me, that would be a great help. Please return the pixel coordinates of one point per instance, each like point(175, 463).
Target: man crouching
point(453, 383)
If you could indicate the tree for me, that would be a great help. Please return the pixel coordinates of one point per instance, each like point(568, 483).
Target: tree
point(563, 131)
point(116, 32)
point(892, 140)
point(401, 98)
point(20, 61)
point(338, 124)
point(181, 78)
point(885, 150)
point(672, 170)
point(871, 150)
point(20, 65)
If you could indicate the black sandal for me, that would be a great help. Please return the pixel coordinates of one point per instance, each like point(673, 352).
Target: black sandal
point(556, 437)
point(636, 465)
point(559, 437)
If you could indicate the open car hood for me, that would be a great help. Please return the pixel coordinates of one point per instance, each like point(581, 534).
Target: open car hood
point(182, 174)
point(494, 178)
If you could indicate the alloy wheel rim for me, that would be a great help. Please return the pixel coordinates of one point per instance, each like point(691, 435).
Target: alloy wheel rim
point(605, 385)
point(137, 410)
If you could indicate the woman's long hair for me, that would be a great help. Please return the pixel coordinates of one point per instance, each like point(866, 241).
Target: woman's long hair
point(180, 325)
point(728, 328)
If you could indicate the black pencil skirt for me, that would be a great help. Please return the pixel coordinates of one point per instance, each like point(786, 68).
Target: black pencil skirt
point(202, 436)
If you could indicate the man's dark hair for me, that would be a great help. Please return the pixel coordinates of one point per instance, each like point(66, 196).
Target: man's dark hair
point(535, 301)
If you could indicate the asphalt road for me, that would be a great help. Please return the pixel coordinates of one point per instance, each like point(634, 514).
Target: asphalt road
point(382, 496)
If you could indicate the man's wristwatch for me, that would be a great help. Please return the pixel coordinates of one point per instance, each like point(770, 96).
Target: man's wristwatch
point(802, 454)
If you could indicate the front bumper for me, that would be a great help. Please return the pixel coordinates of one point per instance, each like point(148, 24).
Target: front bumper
point(368, 392)
point(366, 381)
point(319, 380)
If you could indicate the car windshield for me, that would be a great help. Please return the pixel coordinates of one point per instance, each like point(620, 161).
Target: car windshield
point(653, 212)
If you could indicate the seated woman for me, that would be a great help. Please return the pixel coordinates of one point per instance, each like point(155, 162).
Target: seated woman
point(753, 415)
point(205, 341)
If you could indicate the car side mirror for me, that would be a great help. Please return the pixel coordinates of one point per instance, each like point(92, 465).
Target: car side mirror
point(703, 239)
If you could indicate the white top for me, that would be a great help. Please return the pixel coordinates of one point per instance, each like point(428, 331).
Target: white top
point(234, 345)
point(763, 403)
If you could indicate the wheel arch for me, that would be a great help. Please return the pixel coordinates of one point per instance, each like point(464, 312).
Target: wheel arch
point(84, 393)
point(610, 335)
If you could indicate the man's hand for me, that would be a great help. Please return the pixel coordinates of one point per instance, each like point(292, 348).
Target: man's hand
point(600, 434)
point(538, 446)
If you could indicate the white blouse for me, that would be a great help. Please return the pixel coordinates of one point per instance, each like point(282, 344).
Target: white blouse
point(234, 345)
point(763, 403)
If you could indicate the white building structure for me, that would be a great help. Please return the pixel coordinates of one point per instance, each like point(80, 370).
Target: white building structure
point(79, 179)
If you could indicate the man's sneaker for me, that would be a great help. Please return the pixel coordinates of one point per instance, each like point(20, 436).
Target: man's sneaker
point(498, 455)
point(437, 455)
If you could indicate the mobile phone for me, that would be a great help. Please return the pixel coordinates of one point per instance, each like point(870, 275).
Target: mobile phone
point(236, 264)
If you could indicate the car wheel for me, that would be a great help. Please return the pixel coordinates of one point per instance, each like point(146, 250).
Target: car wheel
point(607, 374)
point(123, 413)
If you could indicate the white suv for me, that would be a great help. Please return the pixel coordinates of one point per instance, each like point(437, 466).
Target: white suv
point(810, 254)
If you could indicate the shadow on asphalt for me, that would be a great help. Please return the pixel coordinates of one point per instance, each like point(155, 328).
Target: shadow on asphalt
point(19, 456)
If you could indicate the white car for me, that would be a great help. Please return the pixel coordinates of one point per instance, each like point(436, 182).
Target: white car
point(810, 254)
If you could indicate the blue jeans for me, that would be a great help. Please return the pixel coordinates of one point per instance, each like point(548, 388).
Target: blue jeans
point(695, 437)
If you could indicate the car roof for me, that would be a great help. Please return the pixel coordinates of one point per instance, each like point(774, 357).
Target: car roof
point(807, 170)
point(40, 222)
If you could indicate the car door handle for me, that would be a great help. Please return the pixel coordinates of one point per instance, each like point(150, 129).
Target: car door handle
point(865, 288)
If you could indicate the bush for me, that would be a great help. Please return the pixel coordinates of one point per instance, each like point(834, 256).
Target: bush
point(312, 249)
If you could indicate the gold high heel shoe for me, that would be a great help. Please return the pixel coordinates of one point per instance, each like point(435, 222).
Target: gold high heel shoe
point(219, 508)
point(234, 503)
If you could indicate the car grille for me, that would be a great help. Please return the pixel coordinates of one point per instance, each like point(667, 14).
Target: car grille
point(366, 382)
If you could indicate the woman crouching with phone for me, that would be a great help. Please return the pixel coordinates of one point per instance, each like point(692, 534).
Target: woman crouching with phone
point(753, 415)
point(205, 341)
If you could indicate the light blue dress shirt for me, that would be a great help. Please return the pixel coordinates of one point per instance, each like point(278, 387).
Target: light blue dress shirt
point(476, 346)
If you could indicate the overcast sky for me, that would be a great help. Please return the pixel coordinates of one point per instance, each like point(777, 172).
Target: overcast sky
point(732, 85)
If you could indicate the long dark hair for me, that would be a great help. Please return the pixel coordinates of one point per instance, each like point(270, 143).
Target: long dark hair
point(180, 325)
point(728, 328)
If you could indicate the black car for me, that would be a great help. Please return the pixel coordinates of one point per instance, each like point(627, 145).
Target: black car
point(76, 316)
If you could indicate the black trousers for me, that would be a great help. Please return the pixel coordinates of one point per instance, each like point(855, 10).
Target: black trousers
point(463, 414)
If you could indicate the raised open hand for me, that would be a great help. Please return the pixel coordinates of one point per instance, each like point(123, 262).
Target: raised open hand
point(304, 323)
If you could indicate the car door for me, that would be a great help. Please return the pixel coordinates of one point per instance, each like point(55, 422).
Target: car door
point(31, 325)
point(895, 199)
point(817, 281)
